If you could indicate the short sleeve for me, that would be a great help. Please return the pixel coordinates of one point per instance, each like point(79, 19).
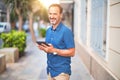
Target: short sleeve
point(69, 38)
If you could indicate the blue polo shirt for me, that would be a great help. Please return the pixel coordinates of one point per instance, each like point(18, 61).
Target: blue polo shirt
point(60, 38)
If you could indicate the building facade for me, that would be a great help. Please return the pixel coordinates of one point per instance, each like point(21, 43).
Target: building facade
point(97, 36)
point(2, 12)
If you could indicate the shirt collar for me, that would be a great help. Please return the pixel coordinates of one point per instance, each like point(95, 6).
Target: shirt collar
point(58, 27)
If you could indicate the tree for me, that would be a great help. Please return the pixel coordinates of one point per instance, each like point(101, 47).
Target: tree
point(34, 6)
point(25, 8)
point(22, 8)
point(19, 7)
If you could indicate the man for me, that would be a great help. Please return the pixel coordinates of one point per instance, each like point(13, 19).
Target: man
point(61, 46)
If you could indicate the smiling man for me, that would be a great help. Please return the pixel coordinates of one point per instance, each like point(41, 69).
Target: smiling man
point(61, 48)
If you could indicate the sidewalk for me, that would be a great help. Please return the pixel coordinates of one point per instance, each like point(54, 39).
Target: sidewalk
point(32, 66)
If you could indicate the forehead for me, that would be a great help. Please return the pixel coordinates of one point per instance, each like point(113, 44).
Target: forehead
point(54, 9)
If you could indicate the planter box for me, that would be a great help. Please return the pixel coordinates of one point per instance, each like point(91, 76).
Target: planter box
point(2, 63)
point(11, 54)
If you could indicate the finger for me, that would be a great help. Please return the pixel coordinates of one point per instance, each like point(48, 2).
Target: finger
point(44, 45)
point(46, 50)
point(41, 47)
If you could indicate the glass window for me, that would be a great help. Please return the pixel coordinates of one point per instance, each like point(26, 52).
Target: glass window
point(83, 30)
point(98, 26)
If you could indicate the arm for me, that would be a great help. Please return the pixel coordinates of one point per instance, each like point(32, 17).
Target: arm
point(62, 52)
point(67, 52)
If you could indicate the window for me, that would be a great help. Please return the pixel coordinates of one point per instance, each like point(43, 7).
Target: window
point(98, 26)
point(83, 19)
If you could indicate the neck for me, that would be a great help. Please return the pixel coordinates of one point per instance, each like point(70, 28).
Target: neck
point(55, 26)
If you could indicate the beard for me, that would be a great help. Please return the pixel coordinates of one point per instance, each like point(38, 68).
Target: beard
point(53, 21)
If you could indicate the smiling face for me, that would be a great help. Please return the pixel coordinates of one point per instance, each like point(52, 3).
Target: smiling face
point(54, 15)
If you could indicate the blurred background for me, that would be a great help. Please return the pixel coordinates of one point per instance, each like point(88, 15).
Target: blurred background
point(95, 24)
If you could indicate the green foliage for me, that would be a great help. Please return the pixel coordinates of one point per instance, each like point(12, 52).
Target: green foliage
point(14, 39)
point(42, 31)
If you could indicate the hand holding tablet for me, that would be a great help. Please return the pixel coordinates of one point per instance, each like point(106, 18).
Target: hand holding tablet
point(42, 42)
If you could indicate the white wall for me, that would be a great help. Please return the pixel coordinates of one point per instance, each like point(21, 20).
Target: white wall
point(113, 57)
point(114, 37)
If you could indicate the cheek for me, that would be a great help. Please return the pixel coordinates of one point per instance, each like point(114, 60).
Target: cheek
point(57, 17)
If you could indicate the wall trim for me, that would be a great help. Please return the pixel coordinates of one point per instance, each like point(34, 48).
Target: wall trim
point(115, 51)
point(117, 27)
point(115, 4)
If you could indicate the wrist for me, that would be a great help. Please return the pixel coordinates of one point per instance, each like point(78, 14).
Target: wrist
point(55, 52)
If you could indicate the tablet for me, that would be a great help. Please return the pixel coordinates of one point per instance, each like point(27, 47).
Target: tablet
point(42, 42)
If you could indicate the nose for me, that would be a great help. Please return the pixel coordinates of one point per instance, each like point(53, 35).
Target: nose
point(51, 16)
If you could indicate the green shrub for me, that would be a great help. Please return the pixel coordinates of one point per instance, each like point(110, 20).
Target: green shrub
point(42, 31)
point(14, 39)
